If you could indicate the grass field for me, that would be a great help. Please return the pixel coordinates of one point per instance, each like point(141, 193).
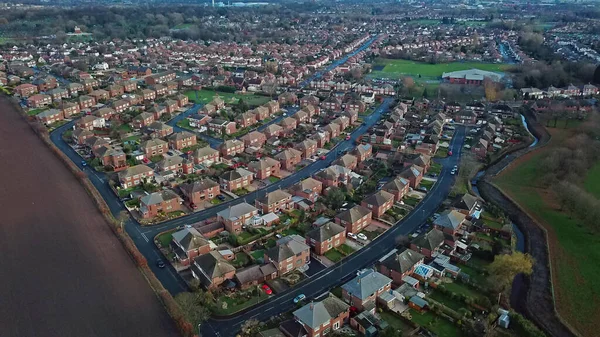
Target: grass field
point(437, 325)
point(592, 181)
point(397, 68)
point(205, 96)
point(576, 277)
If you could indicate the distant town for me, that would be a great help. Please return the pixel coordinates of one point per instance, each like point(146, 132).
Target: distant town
point(326, 169)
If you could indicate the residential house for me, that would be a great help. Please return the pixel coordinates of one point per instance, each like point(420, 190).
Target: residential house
point(94, 142)
point(363, 290)
point(74, 88)
point(182, 140)
point(308, 188)
point(309, 100)
point(50, 116)
point(236, 179)
point(261, 113)
point(274, 202)
point(246, 119)
point(288, 124)
point(254, 139)
point(171, 106)
point(80, 135)
point(142, 120)
point(289, 158)
point(99, 95)
point(206, 156)
point(86, 102)
point(130, 86)
point(212, 269)
point(354, 219)
point(116, 90)
point(326, 237)
point(414, 174)
point(321, 318)
point(175, 164)
point(379, 202)
point(273, 107)
point(188, 243)
point(470, 203)
point(220, 126)
point(398, 187)
point(58, 93)
point(231, 147)
point(333, 129)
point(148, 95)
point(265, 167)
point(112, 157)
point(450, 221)
point(429, 243)
point(273, 130)
point(334, 175)
point(236, 216)
point(399, 264)
point(348, 161)
point(159, 129)
point(105, 113)
point(290, 253)
point(69, 109)
point(481, 148)
point(307, 147)
point(153, 204)
point(39, 100)
point(154, 147)
point(135, 175)
point(26, 90)
point(86, 122)
point(182, 100)
point(255, 275)
point(200, 191)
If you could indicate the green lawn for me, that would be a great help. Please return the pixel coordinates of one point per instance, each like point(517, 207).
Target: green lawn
point(241, 259)
point(592, 181)
point(333, 255)
point(258, 254)
point(124, 192)
point(442, 152)
point(34, 112)
point(205, 96)
point(125, 127)
point(437, 325)
point(459, 288)
point(444, 299)
point(395, 321)
point(345, 249)
point(411, 201)
point(435, 168)
point(165, 238)
point(240, 303)
point(273, 179)
point(492, 223)
point(290, 231)
point(396, 68)
point(474, 274)
point(428, 184)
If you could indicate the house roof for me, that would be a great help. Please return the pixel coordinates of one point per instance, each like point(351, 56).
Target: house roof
point(288, 154)
point(273, 197)
point(317, 313)
point(198, 186)
point(325, 232)
point(450, 219)
point(346, 160)
point(366, 284)
point(430, 240)
point(403, 261)
point(210, 266)
point(190, 238)
point(306, 185)
point(205, 151)
point(467, 201)
point(236, 211)
point(379, 198)
point(158, 197)
point(181, 135)
point(293, 329)
point(263, 163)
point(353, 214)
point(254, 273)
point(287, 247)
point(398, 184)
point(152, 142)
point(134, 170)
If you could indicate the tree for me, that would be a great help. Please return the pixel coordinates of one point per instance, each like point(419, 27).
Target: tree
point(250, 327)
point(505, 267)
point(192, 306)
point(335, 198)
point(491, 90)
point(166, 117)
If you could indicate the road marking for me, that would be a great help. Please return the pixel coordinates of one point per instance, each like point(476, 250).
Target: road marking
point(145, 237)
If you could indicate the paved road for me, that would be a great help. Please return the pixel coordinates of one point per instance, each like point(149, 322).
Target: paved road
point(343, 271)
point(143, 236)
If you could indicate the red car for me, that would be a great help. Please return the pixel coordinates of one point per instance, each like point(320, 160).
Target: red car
point(449, 153)
point(323, 157)
point(348, 137)
point(267, 290)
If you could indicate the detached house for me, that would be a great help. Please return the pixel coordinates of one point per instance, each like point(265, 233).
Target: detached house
point(289, 158)
point(39, 100)
point(212, 270)
point(165, 201)
point(86, 102)
point(326, 237)
point(200, 191)
point(222, 127)
point(363, 152)
point(429, 243)
point(246, 119)
point(288, 124)
point(135, 175)
point(69, 108)
point(400, 264)
point(159, 129)
point(334, 175)
point(80, 135)
point(265, 167)
point(273, 130)
point(50, 116)
point(142, 120)
point(308, 147)
point(274, 202)
point(238, 215)
point(348, 161)
point(363, 290)
point(450, 221)
point(379, 202)
point(111, 157)
point(188, 243)
point(320, 318)
point(354, 219)
point(414, 174)
point(290, 253)
point(171, 165)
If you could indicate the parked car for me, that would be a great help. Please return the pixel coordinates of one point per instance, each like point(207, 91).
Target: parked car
point(267, 290)
point(299, 298)
point(221, 197)
point(352, 236)
point(362, 236)
point(348, 137)
point(83, 163)
point(160, 263)
point(449, 153)
point(193, 206)
point(323, 157)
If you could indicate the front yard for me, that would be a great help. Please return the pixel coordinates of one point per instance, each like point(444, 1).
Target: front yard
point(333, 255)
point(240, 300)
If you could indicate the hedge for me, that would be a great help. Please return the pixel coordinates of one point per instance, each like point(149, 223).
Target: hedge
point(524, 327)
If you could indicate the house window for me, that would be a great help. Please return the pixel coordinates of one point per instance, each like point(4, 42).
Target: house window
point(336, 325)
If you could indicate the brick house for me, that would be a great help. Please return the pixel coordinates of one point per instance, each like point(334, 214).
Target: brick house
point(236, 216)
point(307, 147)
point(181, 140)
point(481, 148)
point(332, 103)
point(160, 90)
point(273, 130)
point(450, 222)
point(333, 129)
point(154, 147)
point(106, 113)
point(400, 264)
point(348, 161)
point(287, 98)
point(143, 119)
point(86, 122)
point(309, 100)
point(326, 237)
point(99, 94)
point(320, 318)
point(273, 107)
point(414, 174)
point(334, 175)
point(199, 191)
point(265, 167)
point(254, 275)
point(236, 179)
point(363, 152)
point(246, 119)
point(220, 126)
point(159, 129)
point(160, 77)
point(398, 187)
point(50, 116)
point(148, 95)
point(363, 290)
point(175, 164)
point(135, 175)
point(288, 124)
point(153, 204)
point(212, 270)
point(289, 158)
point(157, 111)
point(130, 86)
point(301, 116)
point(206, 156)
point(378, 202)
point(112, 157)
point(182, 100)
point(69, 108)
point(116, 90)
point(121, 105)
point(188, 243)
point(308, 188)
point(428, 243)
point(290, 253)
point(58, 94)
point(26, 90)
point(80, 135)
point(342, 121)
point(39, 100)
point(171, 106)
point(74, 88)
point(274, 202)
point(354, 219)
point(95, 142)
point(322, 138)
point(254, 139)
point(231, 147)
point(86, 102)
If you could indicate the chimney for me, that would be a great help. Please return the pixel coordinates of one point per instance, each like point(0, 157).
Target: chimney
point(312, 306)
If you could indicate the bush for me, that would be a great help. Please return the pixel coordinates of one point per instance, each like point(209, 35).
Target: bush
point(524, 327)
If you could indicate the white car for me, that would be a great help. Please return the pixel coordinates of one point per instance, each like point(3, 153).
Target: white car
point(453, 172)
point(362, 236)
point(352, 236)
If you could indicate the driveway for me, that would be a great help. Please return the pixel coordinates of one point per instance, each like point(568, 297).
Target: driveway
point(314, 267)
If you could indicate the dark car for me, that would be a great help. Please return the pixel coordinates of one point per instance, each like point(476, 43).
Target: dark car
point(160, 263)
point(83, 163)
point(220, 197)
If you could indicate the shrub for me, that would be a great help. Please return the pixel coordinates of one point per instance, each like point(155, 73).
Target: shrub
point(524, 327)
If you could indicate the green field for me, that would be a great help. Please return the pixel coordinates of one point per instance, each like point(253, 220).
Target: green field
point(576, 276)
point(398, 68)
point(592, 181)
point(205, 96)
point(437, 325)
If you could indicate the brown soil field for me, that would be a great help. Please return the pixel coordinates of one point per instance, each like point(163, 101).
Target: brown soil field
point(64, 273)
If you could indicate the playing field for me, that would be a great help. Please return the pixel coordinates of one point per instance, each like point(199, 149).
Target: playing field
point(397, 68)
point(205, 96)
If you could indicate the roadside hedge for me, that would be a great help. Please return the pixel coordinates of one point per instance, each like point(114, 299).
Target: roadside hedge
point(524, 327)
